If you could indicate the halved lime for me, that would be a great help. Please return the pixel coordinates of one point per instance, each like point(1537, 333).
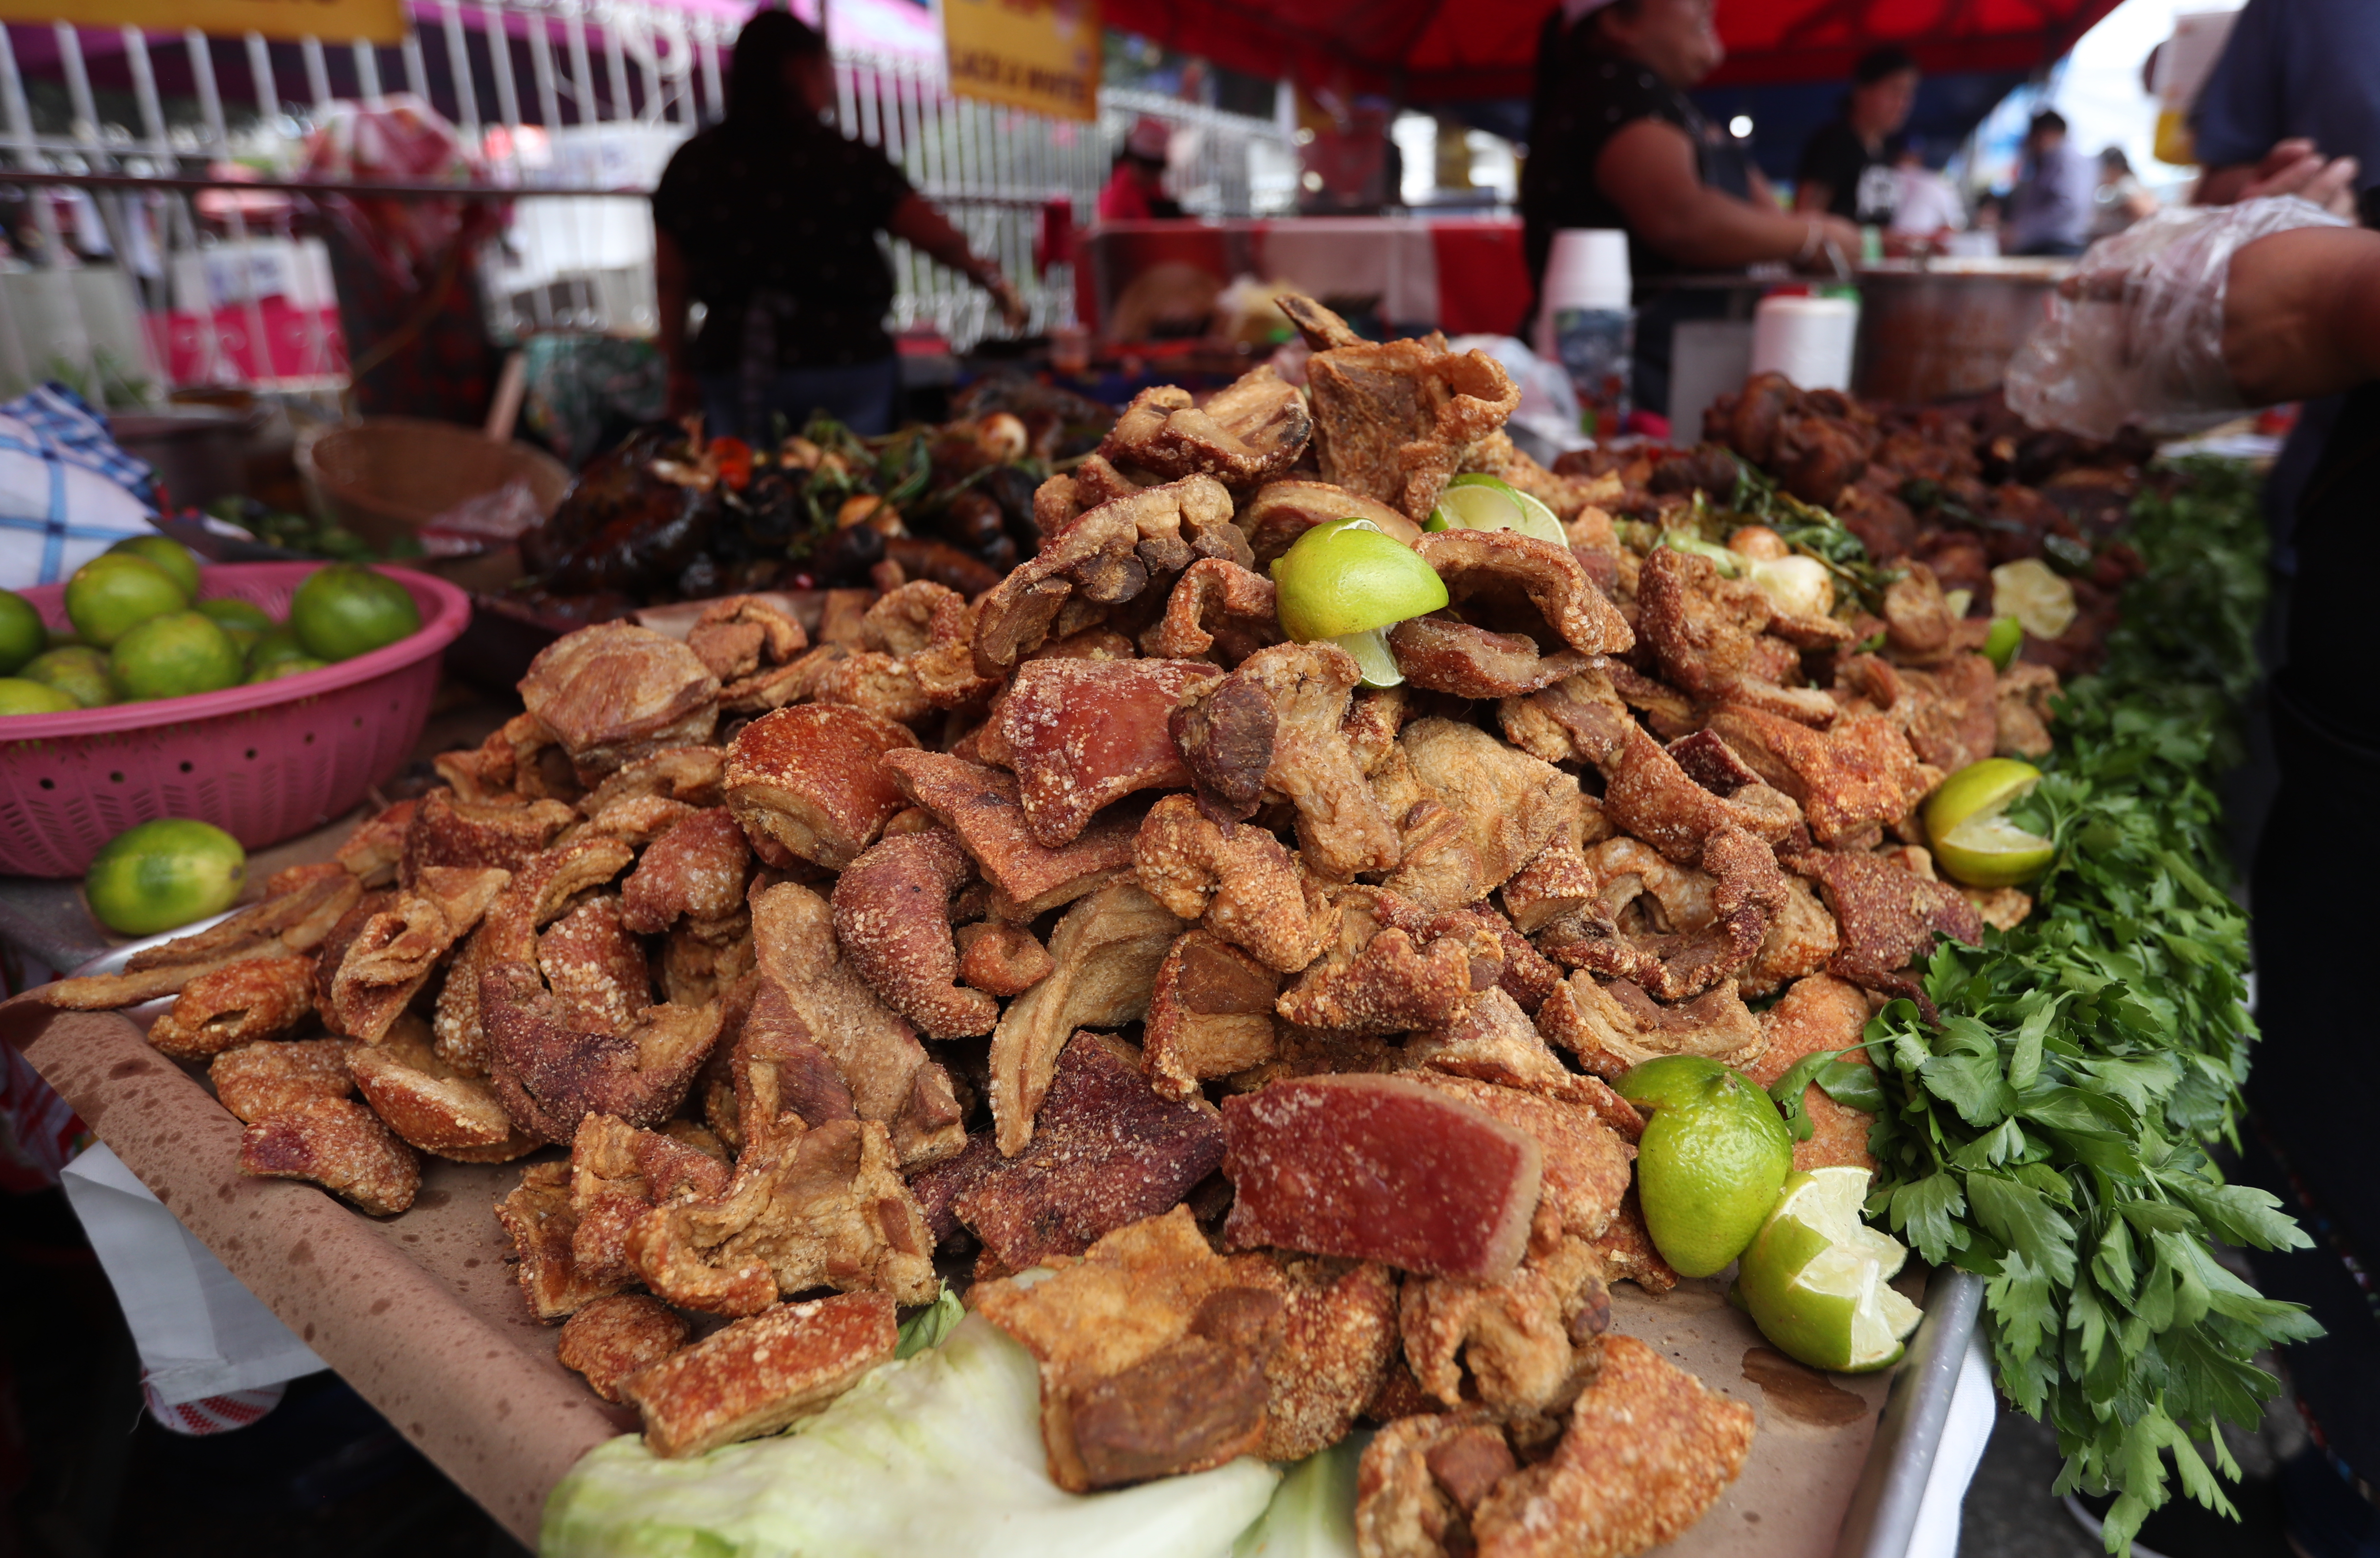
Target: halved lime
point(1709, 1170)
point(1966, 821)
point(2040, 601)
point(1348, 576)
point(1477, 502)
point(1817, 1279)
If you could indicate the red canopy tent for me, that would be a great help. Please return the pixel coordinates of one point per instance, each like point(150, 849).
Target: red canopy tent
point(1437, 51)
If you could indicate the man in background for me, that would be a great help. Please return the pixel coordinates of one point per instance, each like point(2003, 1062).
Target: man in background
point(1847, 167)
point(2049, 210)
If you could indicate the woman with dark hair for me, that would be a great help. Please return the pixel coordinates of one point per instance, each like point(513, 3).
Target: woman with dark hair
point(768, 219)
point(1847, 167)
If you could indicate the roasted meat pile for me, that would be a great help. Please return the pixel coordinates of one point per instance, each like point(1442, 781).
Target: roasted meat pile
point(1962, 490)
point(1087, 927)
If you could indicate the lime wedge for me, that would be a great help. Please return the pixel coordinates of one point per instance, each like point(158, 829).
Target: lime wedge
point(1966, 823)
point(1816, 1278)
point(1347, 577)
point(1476, 501)
point(1373, 655)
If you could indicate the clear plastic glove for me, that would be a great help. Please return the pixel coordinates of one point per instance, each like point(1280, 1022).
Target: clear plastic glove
point(2135, 334)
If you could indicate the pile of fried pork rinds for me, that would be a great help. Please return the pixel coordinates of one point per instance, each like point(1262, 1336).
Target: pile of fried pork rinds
point(1088, 925)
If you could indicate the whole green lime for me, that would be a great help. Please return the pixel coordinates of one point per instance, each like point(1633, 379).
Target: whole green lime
point(1669, 1079)
point(272, 648)
point(18, 696)
point(233, 612)
point(77, 670)
point(22, 634)
point(1709, 1170)
point(295, 666)
point(175, 656)
point(157, 875)
point(115, 592)
point(167, 554)
point(343, 611)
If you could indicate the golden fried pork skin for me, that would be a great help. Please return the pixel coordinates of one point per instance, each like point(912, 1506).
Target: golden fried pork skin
point(761, 1374)
point(617, 692)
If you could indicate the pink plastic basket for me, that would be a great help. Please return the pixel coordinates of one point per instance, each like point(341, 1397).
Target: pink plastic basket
point(264, 762)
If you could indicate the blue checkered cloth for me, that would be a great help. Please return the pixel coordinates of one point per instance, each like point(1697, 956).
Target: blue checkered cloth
point(80, 437)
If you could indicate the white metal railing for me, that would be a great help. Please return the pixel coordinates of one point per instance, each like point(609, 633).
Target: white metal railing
point(577, 105)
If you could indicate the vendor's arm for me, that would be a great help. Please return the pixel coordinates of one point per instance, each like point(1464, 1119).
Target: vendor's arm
point(917, 223)
point(1648, 171)
point(2302, 314)
point(672, 298)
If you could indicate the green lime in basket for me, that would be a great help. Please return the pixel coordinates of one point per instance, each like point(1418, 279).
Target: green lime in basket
point(167, 554)
point(18, 696)
point(244, 621)
point(163, 873)
point(274, 647)
point(174, 656)
point(115, 592)
point(291, 666)
point(23, 636)
point(79, 671)
point(343, 611)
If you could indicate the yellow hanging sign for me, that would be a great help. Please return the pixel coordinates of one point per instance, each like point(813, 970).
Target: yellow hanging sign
point(334, 21)
point(1042, 55)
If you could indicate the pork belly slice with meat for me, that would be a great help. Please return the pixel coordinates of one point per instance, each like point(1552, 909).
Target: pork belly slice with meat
point(1394, 421)
point(397, 951)
point(1107, 1150)
point(1421, 1477)
point(760, 1374)
point(813, 987)
point(981, 806)
point(612, 1338)
point(1852, 781)
point(1583, 1131)
point(1253, 429)
point(1210, 1014)
point(338, 1144)
point(811, 783)
point(617, 692)
point(1158, 1356)
point(1218, 611)
point(259, 998)
point(821, 1208)
point(288, 922)
point(1081, 734)
point(1649, 1449)
point(1271, 730)
point(1708, 634)
point(1105, 954)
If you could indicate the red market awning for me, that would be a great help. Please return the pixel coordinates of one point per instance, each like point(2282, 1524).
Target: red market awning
point(1436, 51)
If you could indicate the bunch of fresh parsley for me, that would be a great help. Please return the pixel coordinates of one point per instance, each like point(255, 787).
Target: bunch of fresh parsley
point(2050, 1132)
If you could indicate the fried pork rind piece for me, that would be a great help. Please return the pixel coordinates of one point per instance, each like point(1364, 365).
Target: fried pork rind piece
point(1153, 1352)
point(447, 831)
point(1271, 730)
point(1001, 960)
point(821, 1208)
point(1209, 1015)
point(1492, 1039)
point(1252, 429)
point(397, 950)
point(371, 852)
point(875, 1052)
point(1950, 712)
point(338, 1144)
point(1649, 1449)
point(617, 1174)
point(537, 1218)
point(1819, 1013)
point(1612, 1025)
point(760, 1374)
point(638, 820)
point(1337, 1336)
point(258, 1081)
point(1919, 624)
point(617, 692)
point(1521, 584)
point(550, 1072)
point(980, 806)
point(1105, 951)
point(237, 1004)
point(1080, 733)
point(892, 917)
point(695, 870)
point(1238, 879)
point(1528, 1344)
point(1107, 1150)
point(1707, 633)
point(1627, 1253)
point(1888, 917)
point(1494, 808)
point(1709, 925)
point(540, 892)
point(2020, 711)
point(1380, 1168)
point(1394, 968)
point(1800, 941)
point(1395, 420)
point(1852, 782)
point(691, 774)
point(1102, 559)
point(754, 649)
point(612, 1338)
point(1420, 1479)
point(1454, 657)
point(812, 783)
point(1649, 792)
point(1578, 1128)
point(916, 655)
point(1283, 511)
point(430, 1106)
point(287, 923)
point(1217, 609)
point(779, 1079)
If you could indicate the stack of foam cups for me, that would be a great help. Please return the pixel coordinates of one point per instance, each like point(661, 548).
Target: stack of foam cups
point(1585, 322)
point(1807, 339)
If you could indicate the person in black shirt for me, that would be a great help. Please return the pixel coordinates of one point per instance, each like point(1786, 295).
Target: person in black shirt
point(1614, 141)
point(768, 219)
point(1846, 169)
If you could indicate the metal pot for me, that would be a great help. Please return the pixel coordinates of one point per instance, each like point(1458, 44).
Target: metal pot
point(200, 454)
point(1947, 329)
